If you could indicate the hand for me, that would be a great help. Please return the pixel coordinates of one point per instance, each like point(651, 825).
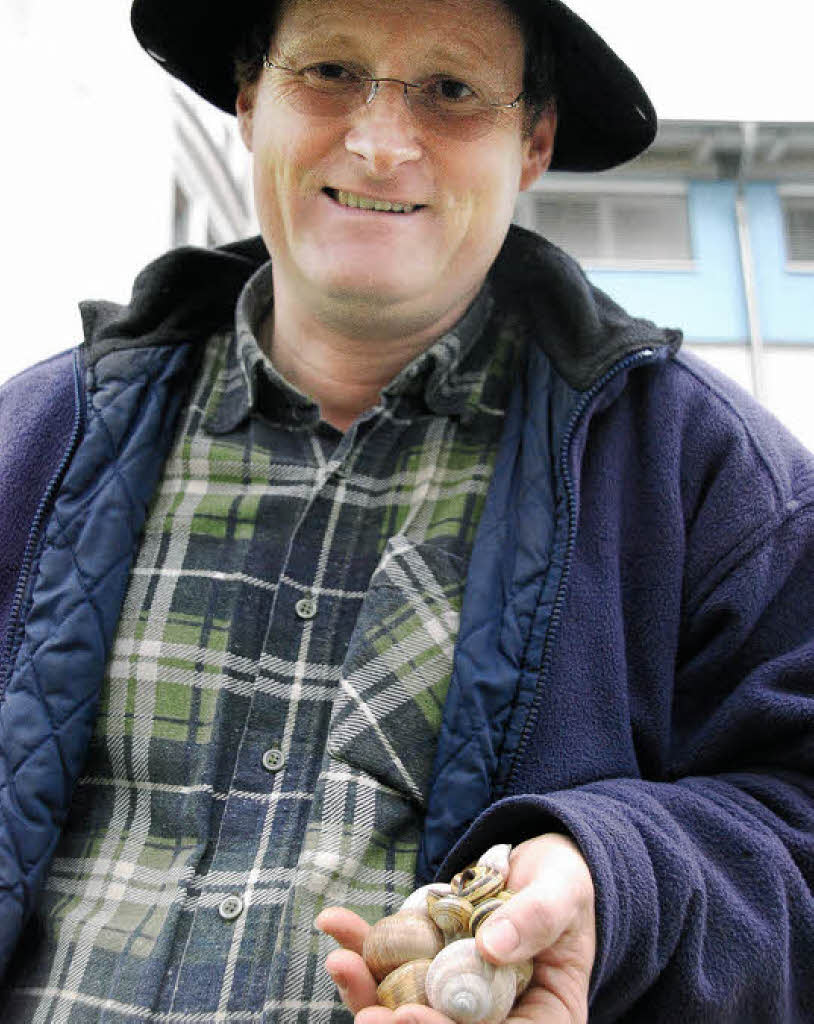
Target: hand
point(550, 918)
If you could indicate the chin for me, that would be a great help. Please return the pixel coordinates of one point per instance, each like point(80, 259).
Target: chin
point(372, 285)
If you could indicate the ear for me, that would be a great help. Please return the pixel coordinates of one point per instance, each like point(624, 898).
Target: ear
point(244, 108)
point(538, 148)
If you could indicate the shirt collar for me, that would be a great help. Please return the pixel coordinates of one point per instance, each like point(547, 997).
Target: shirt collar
point(447, 379)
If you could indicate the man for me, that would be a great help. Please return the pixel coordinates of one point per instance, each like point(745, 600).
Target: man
point(325, 573)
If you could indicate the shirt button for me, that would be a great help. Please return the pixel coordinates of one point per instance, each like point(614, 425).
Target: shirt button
point(273, 759)
point(306, 608)
point(230, 908)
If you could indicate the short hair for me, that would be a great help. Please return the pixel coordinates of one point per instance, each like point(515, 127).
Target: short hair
point(539, 72)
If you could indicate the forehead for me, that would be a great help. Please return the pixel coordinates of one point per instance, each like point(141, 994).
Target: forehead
point(485, 31)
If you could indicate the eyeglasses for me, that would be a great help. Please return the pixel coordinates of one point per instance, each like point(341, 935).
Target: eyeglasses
point(441, 104)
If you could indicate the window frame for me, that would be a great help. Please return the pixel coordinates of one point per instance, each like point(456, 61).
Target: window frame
point(568, 187)
point(805, 195)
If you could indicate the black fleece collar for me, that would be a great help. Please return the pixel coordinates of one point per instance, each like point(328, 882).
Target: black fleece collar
point(187, 294)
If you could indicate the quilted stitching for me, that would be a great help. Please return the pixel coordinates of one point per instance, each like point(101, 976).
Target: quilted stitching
point(48, 714)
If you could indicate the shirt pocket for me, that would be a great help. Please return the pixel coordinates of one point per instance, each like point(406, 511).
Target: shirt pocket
point(387, 713)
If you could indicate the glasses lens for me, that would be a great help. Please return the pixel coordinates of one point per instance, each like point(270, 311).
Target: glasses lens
point(448, 115)
point(321, 90)
point(331, 90)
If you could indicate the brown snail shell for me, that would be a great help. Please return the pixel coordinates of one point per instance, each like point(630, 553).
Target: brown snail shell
point(436, 892)
point(477, 883)
point(392, 941)
point(522, 975)
point(482, 911)
point(404, 985)
point(452, 915)
point(461, 984)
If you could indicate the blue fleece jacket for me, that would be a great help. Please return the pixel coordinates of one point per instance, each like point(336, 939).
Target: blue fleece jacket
point(636, 652)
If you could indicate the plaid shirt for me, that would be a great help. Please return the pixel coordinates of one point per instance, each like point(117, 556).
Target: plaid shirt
point(269, 715)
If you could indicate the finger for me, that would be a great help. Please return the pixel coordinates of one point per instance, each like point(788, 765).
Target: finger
point(410, 1013)
point(347, 928)
point(350, 974)
point(539, 1006)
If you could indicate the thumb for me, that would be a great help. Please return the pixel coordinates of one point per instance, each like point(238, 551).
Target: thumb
point(554, 893)
point(526, 924)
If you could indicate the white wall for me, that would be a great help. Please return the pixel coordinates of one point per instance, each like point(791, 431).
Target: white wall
point(85, 179)
point(788, 371)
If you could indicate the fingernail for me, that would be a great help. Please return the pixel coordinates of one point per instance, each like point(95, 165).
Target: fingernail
point(500, 937)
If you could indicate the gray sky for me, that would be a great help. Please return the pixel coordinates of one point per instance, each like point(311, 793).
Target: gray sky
point(715, 59)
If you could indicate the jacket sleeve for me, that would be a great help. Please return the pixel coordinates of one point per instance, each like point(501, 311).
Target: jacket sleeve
point(704, 866)
point(38, 409)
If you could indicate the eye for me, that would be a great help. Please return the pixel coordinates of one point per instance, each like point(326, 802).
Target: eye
point(451, 91)
point(329, 73)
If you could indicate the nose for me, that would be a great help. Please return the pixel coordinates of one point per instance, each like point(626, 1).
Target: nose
point(383, 131)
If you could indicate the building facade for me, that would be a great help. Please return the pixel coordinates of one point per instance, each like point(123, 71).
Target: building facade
point(711, 231)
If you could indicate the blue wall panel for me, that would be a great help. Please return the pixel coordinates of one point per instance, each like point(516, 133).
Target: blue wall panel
point(785, 300)
point(707, 301)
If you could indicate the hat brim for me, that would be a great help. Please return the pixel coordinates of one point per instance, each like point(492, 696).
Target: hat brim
point(605, 117)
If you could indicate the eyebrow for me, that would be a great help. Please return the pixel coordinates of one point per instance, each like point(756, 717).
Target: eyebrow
point(439, 55)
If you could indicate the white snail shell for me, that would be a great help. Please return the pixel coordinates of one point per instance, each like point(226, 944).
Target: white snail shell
point(461, 984)
point(497, 857)
point(418, 900)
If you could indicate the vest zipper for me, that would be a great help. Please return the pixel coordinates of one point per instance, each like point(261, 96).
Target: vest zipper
point(15, 631)
point(642, 356)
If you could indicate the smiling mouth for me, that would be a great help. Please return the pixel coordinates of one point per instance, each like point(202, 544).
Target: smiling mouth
point(355, 201)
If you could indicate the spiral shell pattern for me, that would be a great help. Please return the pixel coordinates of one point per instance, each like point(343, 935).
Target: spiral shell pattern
point(394, 940)
point(477, 883)
point(482, 911)
point(407, 984)
point(461, 984)
point(452, 914)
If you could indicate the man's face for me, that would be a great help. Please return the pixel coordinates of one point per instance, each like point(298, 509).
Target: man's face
point(410, 268)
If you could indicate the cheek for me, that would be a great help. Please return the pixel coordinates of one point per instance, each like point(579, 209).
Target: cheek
point(278, 179)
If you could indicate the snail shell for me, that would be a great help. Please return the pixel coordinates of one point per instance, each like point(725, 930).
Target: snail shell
point(452, 915)
point(477, 883)
point(436, 892)
point(482, 911)
point(394, 940)
point(404, 985)
point(522, 975)
point(461, 984)
point(497, 857)
point(420, 899)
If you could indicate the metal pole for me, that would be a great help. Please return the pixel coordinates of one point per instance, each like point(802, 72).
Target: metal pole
point(748, 268)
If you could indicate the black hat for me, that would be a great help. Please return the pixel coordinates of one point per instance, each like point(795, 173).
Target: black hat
point(604, 115)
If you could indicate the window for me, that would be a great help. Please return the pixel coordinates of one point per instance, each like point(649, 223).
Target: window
point(798, 217)
point(611, 228)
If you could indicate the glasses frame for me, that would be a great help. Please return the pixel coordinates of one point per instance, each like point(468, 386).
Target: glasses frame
point(376, 82)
